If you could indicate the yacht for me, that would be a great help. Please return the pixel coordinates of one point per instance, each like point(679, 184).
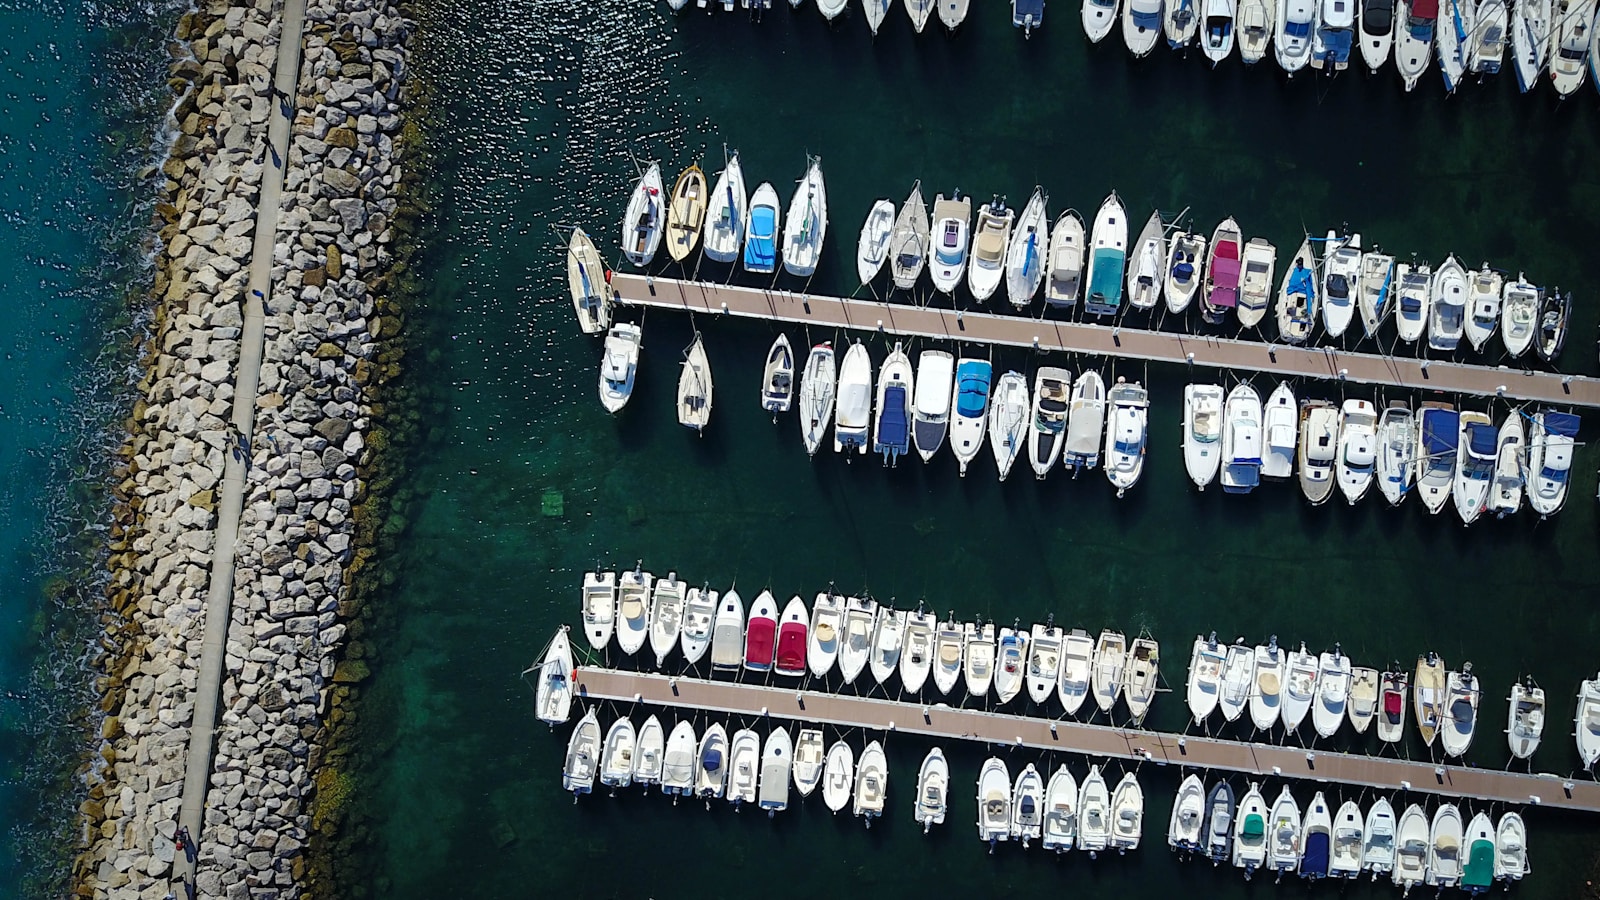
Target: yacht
point(1145, 275)
point(1077, 667)
point(908, 248)
point(583, 753)
point(1025, 253)
point(1411, 849)
point(586, 281)
point(777, 759)
point(1413, 41)
point(933, 790)
point(677, 762)
point(1378, 839)
point(1438, 433)
point(1461, 711)
point(1519, 308)
point(1107, 257)
point(761, 231)
point(650, 746)
point(986, 268)
point(1377, 32)
point(808, 759)
point(872, 783)
point(806, 223)
point(1448, 321)
point(1110, 656)
point(1444, 856)
point(1126, 433)
point(1377, 287)
point(1588, 721)
point(1428, 696)
point(1066, 260)
point(1205, 677)
point(1086, 422)
point(822, 649)
point(1260, 264)
point(1391, 706)
point(1397, 448)
point(1044, 661)
point(1358, 452)
point(725, 214)
point(888, 639)
point(1333, 692)
point(971, 419)
point(1008, 672)
point(1510, 466)
point(917, 650)
point(1139, 679)
point(1238, 680)
point(777, 377)
point(1300, 687)
point(1476, 451)
point(855, 644)
point(1415, 301)
point(727, 633)
point(1141, 26)
point(641, 224)
point(930, 413)
point(1316, 832)
point(1297, 296)
point(952, 233)
point(1363, 705)
point(599, 607)
point(1184, 269)
point(1127, 814)
point(1550, 446)
point(1027, 806)
point(1050, 387)
point(761, 634)
point(1060, 830)
point(711, 763)
point(1291, 42)
point(949, 646)
point(619, 361)
point(1241, 440)
point(994, 802)
point(1216, 37)
point(1221, 294)
point(1008, 421)
point(1266, 701)
point(1250, 832)
point(980, 654)
point(633, 610)
point(1098, 17)
point(891, 431)
point(838, 776)
point(744, 768)
point(1217, 831)
point(817, 385)
point(553, 696)
point(1485, 290)
point(1511, 849)
point(872, 247)
point(1202, 432)
point(853, 402)
point(1282, 428)
point(1283, 838)
point(666, 616)
point(1319, 432)
point(792, 646)
point(1526, 718)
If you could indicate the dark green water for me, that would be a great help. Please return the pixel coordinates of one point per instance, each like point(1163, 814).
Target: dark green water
point(538, 107)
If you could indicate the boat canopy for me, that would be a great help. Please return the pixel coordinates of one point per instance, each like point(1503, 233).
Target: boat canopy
point(1481, 439)
point(1565, 424)
point(972, 387)
point(792, 646)
point(758, 641)
point(1480, 865)
point(1301, 281)
point(892, 425)
point(711, 759)
point(1105, 281)
point(1254, 826)
point(1315, 858)
point(933, 386)
point(1440, 429)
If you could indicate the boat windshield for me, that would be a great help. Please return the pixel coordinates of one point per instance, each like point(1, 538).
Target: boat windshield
point(1297, 29)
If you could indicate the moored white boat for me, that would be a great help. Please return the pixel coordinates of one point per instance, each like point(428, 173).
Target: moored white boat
point(1238, 680)
point(1297, 296)
point(1526, 716)
point(1447, 322)
point(808, 759)
point(1413, 43)
point(1044, 661)
point(1485, 288)
point(1438, 434)
point(685, 214)
point(1570, 36)
point(1411, 849)
point(588, 284)
point(1315, 838)
point(761, 227)
point(916, 654)
point(727, 633)
point(971, 419)
point(650, 745)
point(1094, 812)
point(666, 615)
point(1205, 677)
point(1049, 421)
point(1333, 692)
point(1281, 428)
point(1108, 254)
point(677, 762)
point(1241, 440)
point(1086, 422)
point(1376, 34)
point(1341, 272)
point(1255, 290)
point(855, 643)
point(1027, 805)
point(930, 411)
point(599, 607)
point(1008, 421)
point(1474, 464)
point(933, 790)
point(888, 641)
point(1110, 657)
point(777, 759)
point(994, 802)
point(1378, 839)
point(1254, 23)
point(978, 659)
point(1348, 825)
point(986, 266)
point(1300, 687)
point(872, 783)
point(1330, 43)
point(1147, 265)
point(806, 224)
point(949, 646)
point(553, 693)
point(633, 610)
point(1250, 832)
point(1025, 252)
point(1066, 260)
point(619, 362)
point(695, 388)
point(951, 238)
point(793, 625)
point(1519, 314)
point(1319, 450)
point(1363, 704)
point(1216, 32)
point(1098, 18)
point(1009, 662)
point(1588, 721)
point(1126, 433)
point(1220, 294)
point(1555, 315)
point(1396, 463)
point(1185, 263)
point(1530, 40)
point(1077, 668)
point(1510, 466)
point(1140, 675)
point(1510, 848)
point(1444, 851)
point(1391, 706)
point(761, 633)
point(817, 386)
point(1376, 292)
point(1291, 42)
point(777, 376)
point(838, 776)
point(852, 414)
point(583, 755)
point(1127, 814)
point(1460, 718)
point(1358, 449)
point(726, 213)
point(908, 246)
point(1428, 696)
point(1179, 22)
point(1266, 699)
point(1141, 26)
point(1414, 300)
point(1060, 811)
point(744, 768)
point(711, 763)
point(1550, 445)
point(872, 247)
point(1477, 875)
point(1283, 837)
point(642, 223)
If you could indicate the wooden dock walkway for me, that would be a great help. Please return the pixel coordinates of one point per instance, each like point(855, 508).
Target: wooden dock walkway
point(1278, 360)
point(953, 723)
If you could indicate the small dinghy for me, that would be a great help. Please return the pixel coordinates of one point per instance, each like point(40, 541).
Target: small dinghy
point(1255, 290)
point(792, 628)
point(839, 776)
point(1238, 680)
point(1461, 711)
point(649, 748)
point(711, 763)
point(1319, 449)
point(678, 763)
point(816, 396)
point(1027, 806)
point(744, 767)
point(1202, 432)
point(1266, 701)
point(1221, 294)
point(1519, 314)
point(599, 607)
point(949, 646)
point(1474, 464)
point(1300, 687)
point(686, 214)
point(1050, 387)
point(980, 653)
point(971, 418)
point(1184, 267)
point(1044, 661)
point(699, 614)
point(777, 758)
point(930, 410)
point(855, 644)
point(1008, 421)
point(916, 654)
point(1333, 692)
point(1297, 297)
point(1086, 422)
point(1205, 677)
point(872, 248)
point(1060, 811)
point(1025, 253)
point(619, 362)
point(1444, 855)
point(1139, 678)
point(994, 802)
point(1397, 452)
point(761, 232)
point(1281, 427)
point(1428, 696)
point(1127, 814)
point(1363, 704)
point(952, 234)
point(588, 284)
point(727, 633)
point(1526, 717)
point(1511, 849)
point(1066, 260)
point(1550, 447)
point(908, 246)
point(1477, 876)
point(1358, 437)
point(1077, 666)
point(1510, 467)
point(1250, 832)
point(1345, 860)
point(872, 783)
point(1217, 833)
point(1375, 296)
point(1008, 675)
point(583, 753)
point(777, 378)
point(1378, 840)
point(1094, 814)
point(633, 610)
point(1108, 256)
point(892, 424)
point(725, 218)
point(808, 760)
point(1188, 816)
point(1411, 849)
point(1391, 706)
point(761, 634)
point(1448, 320)
point(887, 640)
point(641, 224)
point(666, 616)
point(986, 268)
point(1110, 658)
point(553, 694)
point(852, 414)
point(1126, 434)
point(1145, 272)
point(1554, 314)
point(1315, 837)
point(1283, 840)
point(933, 790)
point(806, 223)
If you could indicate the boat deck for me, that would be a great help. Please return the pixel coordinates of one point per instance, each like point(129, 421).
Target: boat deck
point(1252, 759)
point(1279, 360)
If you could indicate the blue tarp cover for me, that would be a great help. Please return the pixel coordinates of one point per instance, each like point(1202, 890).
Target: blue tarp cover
point(892, 427)
point(1315, 861)
point(1440, 429)
point(972, 387)
point(1561, 423)
point(1481, 438)
point(1301, 282)
point(712, 759)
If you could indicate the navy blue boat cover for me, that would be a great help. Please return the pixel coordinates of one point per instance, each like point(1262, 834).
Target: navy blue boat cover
point(1440, 431)
point(1315, 860)
point(1561, 423)
point(892, 429)
point(1481, 438)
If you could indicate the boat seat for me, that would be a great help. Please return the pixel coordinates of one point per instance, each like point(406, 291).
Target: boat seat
point(632, 608)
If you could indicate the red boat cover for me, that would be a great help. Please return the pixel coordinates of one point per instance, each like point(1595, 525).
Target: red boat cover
point(758, 642)
point(1391, 703)
point(792, 647)
point(1425, 9)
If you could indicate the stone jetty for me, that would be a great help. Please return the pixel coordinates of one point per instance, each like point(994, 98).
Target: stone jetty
point(244, 472)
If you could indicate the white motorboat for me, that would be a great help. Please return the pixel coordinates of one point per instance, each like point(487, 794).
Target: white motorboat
point(1077, 669)
point(1315, 833)
point(1444, 853)
point(872, 247)
point(1477, 874)
point(744, 767)
point(1341, 272)
point(1391, 706)
point(1333, 692)
point(1127, 814)
point(1185, 266)
point(994, 802)
point(761, 634)
point(1049, 420)
point(1283, 839)
point(1363, 706)
point(1550, 446)
point(1376, 35)
point(1025, 252)
point(588, 284)
point(642, 223)
point(695, 387)
point(1110, 657)
point(685, 214)
point(1510, 467)
point(852, 414)
point(1282, 428)
point(1378, 839)
point(1044, 661)
point(1066, 260)
point(1526, 717)
point(1241, 440)
point(933, 790)
point(727, 633)
point(666, 616)
point(1188, 816)
point(1108, 245)
point(1319, 437)
point(1348, 831)
point(1485, 288)
point(1216, 33)
point(1086, 422)
point(633, 610)
point(1519, 307)
point(872, 783)
point(1254, 23)
point(726, 213)
point(1009, 662)
point(1179, 23)
point(553, 693)
point(1266, 700)
point(1413, 42)
point(1060, 811)
point(1460, 720)
point(1098, 18)
point(855, 645)
point(1217, 831)
point(1219, 295)
point(978, 669)
point(891, 427)
point(951, 239)
point(1094, 813)
point(1291, 42)
point(1255, 289)
point(1238, 680)
point(1027, 806)
point(1297, 296)
point(761, 229)
point(619, 361)
point(1438, 434)
point(1358, 450)
point(677, 763)
point(949, 646)
point(1126, 433)
point(1511, 848)
point(1250, 832)
point(650, 745)
point(1330, 43)
point(1205, 677)
point(930, 412)
point(711, 763)
point(1139, 676)
point(916, 656)
point(986, 267)
point(1449, 301)
point(777, 759)
point(808, 759)
point(1530, 40)
point(1300, 687)
point(1428, 696)
point(1476, 451)
point(1487, 44)
point(793, 648)
point(1376, 290)
point(806, 223)
point(1141, 26)
point(1588, 721)
point(1008, 421)
point(777, 377)
point(1555, 317)
point(599, 607)
point(1397, 452)
point(1415, 297)
point(888, 640)
point(908, 247)
point(1411, 849)
point(971, 419)
point(1146, 269)
point(583, 754)
point(839, 776)
point(817, 385)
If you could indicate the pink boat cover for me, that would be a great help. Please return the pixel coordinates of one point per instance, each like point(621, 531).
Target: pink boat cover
point(758, 642)
point(1225, 274)
point(792, 648)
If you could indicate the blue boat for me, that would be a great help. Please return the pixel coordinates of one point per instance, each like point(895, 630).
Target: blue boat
point(761, 232)
point(968, 425)
point(892, 437)
point(1027, 15)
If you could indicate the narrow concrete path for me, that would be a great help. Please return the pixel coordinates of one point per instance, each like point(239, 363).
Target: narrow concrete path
point(219, 595)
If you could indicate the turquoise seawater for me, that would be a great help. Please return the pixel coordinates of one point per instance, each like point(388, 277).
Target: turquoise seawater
point(81, 101)
point(539, 106)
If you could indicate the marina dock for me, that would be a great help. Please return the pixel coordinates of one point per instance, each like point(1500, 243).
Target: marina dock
point(1255, 760)
point(1274, 359)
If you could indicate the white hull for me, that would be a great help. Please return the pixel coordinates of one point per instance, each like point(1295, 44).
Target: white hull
point(727, 633)
point(806, 224)
point(838, 777)
point(1026, 251)
point(1008, 421)
point(583, 754)
point(650, 745)
point(872, 247)
point(853, 403)
point(642, 223)
point(1126, 435)
point(1202, 432)
point(728, 209)
point(916, 655)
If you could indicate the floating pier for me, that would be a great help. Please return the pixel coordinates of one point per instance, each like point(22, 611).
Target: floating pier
point(954, 723)
point(1275, 359)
